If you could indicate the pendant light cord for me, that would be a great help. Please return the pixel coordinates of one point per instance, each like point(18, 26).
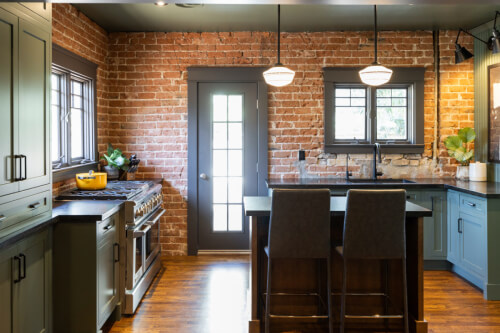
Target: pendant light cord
point(376, 34)
point(279, 33)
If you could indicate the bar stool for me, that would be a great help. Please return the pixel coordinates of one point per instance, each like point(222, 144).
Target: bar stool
point(299, 227)
point(374, 228)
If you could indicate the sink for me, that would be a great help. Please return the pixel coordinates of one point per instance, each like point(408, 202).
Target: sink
point(381, 181)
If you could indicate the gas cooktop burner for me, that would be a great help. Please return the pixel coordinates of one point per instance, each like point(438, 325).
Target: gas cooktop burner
point(115, 190)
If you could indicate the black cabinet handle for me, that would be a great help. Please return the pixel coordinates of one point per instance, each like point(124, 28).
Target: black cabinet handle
point(2, 217)
point(20, 167)
point(23, 257)
point(117, 247)
point(18, 269)
point(34, 205)
point(109, 226)
point(470, 204)
point(459, 225)
point(21, 158)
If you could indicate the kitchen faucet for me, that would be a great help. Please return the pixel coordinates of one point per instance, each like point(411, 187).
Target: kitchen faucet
point(376, 150)
point(347, 173)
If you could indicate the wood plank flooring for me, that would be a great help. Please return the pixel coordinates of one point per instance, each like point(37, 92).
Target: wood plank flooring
point(208, 294)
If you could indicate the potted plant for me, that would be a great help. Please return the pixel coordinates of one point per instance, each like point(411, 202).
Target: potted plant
point(116, 162)
point(459, 147)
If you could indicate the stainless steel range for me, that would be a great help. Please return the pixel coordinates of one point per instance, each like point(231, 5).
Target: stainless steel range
point(139, 236)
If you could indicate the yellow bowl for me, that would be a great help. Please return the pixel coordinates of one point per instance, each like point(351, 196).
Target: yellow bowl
point(91, 181)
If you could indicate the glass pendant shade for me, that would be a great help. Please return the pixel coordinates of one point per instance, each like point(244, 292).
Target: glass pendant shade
point(375, 75)
point(279, 76)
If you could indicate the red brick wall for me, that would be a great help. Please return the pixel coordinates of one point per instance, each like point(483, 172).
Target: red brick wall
point(146, 95)
point(77, 33)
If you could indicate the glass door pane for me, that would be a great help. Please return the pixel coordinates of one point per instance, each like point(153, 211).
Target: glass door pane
point(227, 162)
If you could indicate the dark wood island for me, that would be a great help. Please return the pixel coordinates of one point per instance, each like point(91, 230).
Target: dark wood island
point(366, 276)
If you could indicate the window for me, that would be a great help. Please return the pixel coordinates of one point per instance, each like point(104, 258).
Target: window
point(73, 112)
point(357, 116)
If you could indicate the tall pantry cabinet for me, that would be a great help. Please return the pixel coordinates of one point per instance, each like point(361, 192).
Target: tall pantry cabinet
point(25, 63)
point(25, 167)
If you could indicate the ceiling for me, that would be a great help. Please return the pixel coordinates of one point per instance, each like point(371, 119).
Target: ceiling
point(215, 17)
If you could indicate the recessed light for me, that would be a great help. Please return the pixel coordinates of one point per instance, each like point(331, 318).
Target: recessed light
point(160, 3)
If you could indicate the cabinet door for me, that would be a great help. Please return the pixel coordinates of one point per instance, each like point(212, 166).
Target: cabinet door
point(31, 294)
point(8, 92)
point(41, 8)
point(7, 271)
point(434, 226)
point(34, 116)
point(453, 227)
point(107, 276)
point(473, 244)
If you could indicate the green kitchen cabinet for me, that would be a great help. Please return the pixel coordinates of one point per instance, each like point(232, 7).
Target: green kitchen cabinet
point(33, 108)
point(435, 226)
point(25, 62)
point(86, 273)
point(435, 236)
point(25, 285)
point(8, 96)
point(454, 226)
point(467, 221)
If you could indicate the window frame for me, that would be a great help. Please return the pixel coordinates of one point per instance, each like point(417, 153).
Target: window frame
point(72, 67)
point(349, 77)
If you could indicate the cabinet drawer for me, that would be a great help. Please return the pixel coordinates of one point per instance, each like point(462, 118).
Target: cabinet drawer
point(472, 205)
point(19, 210)
point(107, 226)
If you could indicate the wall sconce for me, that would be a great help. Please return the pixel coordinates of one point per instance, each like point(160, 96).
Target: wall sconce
point(461, 53)
point(493, 43)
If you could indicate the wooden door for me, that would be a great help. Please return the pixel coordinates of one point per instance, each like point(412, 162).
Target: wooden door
point(34, 117)
point(8, 98)
point(32, 293)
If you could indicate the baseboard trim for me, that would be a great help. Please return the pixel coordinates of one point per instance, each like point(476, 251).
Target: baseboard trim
point(437, 265)
point(224, 252)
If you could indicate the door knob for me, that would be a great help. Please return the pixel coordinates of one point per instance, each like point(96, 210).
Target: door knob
point(203, 176)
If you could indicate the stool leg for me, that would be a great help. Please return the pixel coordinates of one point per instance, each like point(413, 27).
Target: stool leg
point(342, 302)
point(405, 296)
point(268, 295)
point(329, 293)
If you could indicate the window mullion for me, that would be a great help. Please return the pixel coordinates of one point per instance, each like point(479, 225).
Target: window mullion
point(372, 119)
point(68, 119)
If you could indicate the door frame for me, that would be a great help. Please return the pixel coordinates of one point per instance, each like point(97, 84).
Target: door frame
point(197, 75)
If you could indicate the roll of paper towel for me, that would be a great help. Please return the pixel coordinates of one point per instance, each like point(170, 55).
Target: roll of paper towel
point(477, 172)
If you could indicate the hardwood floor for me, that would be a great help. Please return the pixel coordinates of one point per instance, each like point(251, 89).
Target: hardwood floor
point(208, 294)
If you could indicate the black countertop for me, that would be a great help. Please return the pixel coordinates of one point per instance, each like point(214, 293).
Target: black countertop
point(261, 206)
point(482, 189)
point(71, 211)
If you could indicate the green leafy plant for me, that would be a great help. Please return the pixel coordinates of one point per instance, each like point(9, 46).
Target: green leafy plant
point(116, 159)
point(459, 146)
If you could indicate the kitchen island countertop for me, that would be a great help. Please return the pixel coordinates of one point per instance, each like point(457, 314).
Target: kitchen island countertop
point(482, 189)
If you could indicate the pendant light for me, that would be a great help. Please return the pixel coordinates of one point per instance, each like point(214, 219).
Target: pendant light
point(375, 74)
point(279, 75)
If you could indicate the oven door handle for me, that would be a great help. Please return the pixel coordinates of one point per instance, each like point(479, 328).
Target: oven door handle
point(139, 233)
point(155, 217)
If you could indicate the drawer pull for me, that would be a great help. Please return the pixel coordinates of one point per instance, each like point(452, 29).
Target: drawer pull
point(35, 205)
point(470, 204)
point(2, 217)
point(109, 226)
